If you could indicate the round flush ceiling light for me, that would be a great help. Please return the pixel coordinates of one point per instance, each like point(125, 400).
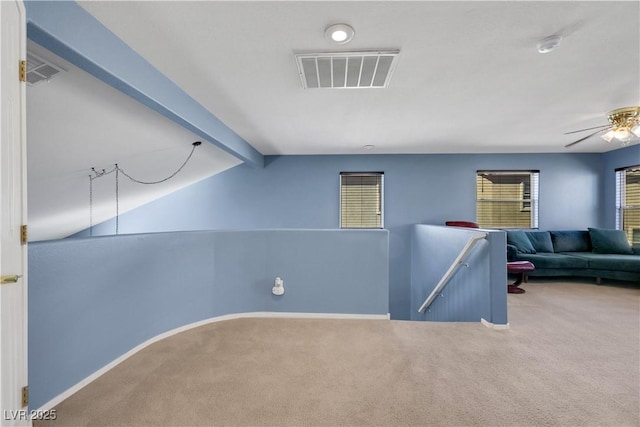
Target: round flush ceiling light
point(548, 44)
point(339, 33)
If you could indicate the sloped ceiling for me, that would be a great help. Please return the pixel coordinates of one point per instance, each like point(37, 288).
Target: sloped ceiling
point(75, 123)
point(468, 80)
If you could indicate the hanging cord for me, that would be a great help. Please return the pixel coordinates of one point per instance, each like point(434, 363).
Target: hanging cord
point(90, 206)
point(195, 144)
point(117, 200)
point(97, 174)
point(118, 171)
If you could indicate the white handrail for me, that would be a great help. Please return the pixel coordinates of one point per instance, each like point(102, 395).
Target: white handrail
point(452, 269)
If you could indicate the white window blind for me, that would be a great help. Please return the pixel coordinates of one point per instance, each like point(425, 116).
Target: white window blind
point(361, 200)
point(507, 199)
point(628, 202)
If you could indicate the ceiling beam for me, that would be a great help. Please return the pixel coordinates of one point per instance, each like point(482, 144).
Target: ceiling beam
point(66, 29)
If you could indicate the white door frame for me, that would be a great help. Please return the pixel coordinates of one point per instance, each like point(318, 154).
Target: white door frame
point(13, 215)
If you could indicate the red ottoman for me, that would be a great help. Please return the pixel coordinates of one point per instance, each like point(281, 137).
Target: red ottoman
point(521, 268)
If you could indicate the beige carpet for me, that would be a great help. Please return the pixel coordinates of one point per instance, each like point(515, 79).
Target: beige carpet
point(571, 357)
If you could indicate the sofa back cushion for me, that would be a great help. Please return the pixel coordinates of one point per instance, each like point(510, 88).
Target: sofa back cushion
point(520, 240)
point(607, 241)
point(540, 240)
point(571, 241)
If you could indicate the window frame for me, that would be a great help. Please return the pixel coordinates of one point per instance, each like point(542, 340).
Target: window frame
point(381, 205)
point(621, 193)
point(530, 205)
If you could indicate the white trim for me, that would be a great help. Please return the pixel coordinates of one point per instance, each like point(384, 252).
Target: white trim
point(494, 326)
point(13, 208)
point(316, 315)
point(259, 314)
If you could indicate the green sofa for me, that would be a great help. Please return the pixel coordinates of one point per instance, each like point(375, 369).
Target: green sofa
point(597, 253)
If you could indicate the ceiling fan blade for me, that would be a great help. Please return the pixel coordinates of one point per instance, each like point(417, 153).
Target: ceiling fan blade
point(582, 130)
point(582, 139)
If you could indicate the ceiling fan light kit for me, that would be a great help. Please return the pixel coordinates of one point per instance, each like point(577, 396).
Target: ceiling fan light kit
point(624, 126)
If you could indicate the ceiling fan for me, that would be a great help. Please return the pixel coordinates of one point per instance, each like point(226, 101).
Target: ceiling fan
point(624, 126)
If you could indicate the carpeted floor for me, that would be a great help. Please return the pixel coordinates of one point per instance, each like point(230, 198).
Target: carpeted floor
point(571, 357)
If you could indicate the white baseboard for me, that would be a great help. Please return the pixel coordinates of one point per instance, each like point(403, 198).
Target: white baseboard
point(497, 327)
point(259, 314)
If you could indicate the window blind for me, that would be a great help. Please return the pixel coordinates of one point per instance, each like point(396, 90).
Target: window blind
point(628, 202)
point(507, 199)
point(361, 200)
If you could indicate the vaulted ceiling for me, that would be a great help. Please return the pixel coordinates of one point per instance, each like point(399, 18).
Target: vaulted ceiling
point(469, 79)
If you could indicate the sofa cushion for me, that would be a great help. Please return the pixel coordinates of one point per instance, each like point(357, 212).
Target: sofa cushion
point(554, 260)
point(571, 241)
point(520, 240)
point(616, 262)
point(540, 240)
point(606, 241)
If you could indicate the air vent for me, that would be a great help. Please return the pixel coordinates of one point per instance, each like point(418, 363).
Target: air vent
point(39, 70)
point(346, 70)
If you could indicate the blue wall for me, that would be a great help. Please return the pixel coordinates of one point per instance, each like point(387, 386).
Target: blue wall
point(629, 156)
point(92, 300)
point(302, 192)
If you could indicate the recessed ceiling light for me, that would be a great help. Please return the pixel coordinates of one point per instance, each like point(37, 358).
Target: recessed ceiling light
point(368, 147)
point(339, 33)
point(548, 44)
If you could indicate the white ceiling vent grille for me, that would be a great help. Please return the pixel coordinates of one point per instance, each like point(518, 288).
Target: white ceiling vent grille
point(346, 70)
point(40, 70)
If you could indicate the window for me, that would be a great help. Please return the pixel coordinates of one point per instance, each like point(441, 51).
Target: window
point(361, 200)
point(628, 202)
point(507, 199)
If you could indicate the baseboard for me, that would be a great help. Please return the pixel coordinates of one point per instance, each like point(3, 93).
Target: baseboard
point(495, 326)
point(260, 314)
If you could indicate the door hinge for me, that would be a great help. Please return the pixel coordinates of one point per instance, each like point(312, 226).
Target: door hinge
point(24, 234)
point(25, 396)
point(11, 278)
point(23, 71)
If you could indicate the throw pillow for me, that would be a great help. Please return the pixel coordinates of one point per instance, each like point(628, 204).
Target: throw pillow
point(571, 241)
point(540, 240)
point(606, 241)
point(520, 240)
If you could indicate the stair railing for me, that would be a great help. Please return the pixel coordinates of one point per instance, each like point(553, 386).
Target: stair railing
point(457, 263)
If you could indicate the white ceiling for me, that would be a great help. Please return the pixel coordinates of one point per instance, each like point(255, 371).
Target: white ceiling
point(468, 80)
point(469, 77)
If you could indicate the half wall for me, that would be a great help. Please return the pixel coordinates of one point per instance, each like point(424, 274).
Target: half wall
point(93, 300)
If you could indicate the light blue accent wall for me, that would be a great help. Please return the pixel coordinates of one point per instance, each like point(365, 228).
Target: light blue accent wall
point(92, 300)
point(303, 192)
point(66, 29)
point(497, 277)
point(477, 290)
point(628, 156)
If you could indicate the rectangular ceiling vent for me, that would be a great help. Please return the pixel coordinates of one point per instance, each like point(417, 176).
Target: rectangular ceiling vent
point(40, 70)
point(346, 70)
